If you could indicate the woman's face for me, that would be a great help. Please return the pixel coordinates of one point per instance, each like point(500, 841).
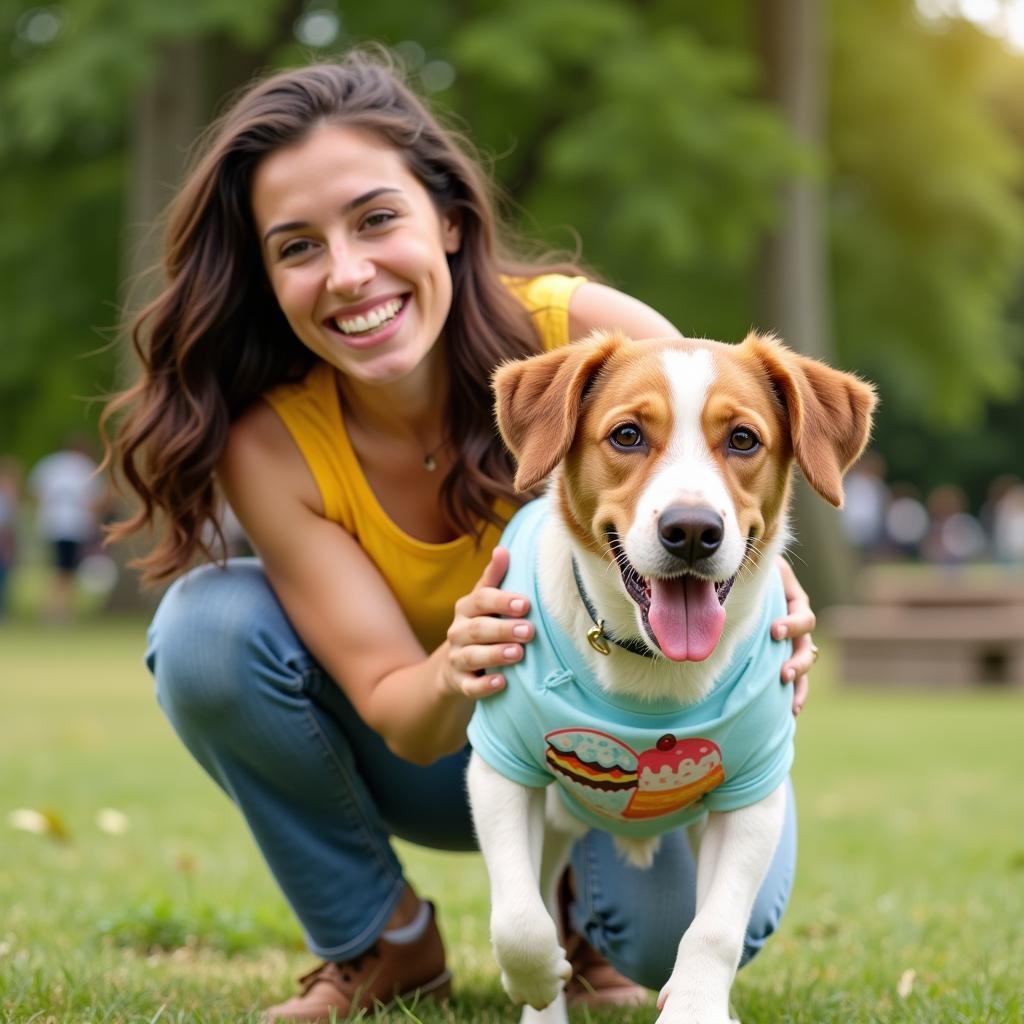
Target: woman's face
point(355, 251)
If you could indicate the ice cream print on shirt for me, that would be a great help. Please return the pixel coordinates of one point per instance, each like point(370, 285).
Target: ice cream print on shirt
point(612, 779)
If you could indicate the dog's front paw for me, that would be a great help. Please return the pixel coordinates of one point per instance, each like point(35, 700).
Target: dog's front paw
point(681, 1001)
point(533, 965)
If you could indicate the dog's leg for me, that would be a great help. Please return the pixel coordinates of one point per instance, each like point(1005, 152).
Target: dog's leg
point(509, 821)
point(554, 860)
point(736, 850)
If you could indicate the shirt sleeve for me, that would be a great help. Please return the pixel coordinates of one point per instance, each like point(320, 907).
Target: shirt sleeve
point(496, 734)
point(754, 782)
point(546, 298)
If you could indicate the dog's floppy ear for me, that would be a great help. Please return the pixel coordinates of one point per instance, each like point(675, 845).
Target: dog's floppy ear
point(538, 402)
point(829, 413)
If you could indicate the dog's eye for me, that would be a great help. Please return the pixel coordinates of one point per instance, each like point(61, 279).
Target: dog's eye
point(626, 435)
point(743, 440)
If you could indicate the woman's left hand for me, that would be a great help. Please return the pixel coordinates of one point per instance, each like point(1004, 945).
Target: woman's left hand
point(797, 625)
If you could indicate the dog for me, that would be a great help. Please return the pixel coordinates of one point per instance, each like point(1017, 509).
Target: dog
point(651, 565)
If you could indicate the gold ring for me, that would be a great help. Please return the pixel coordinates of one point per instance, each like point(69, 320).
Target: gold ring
point(814, 653)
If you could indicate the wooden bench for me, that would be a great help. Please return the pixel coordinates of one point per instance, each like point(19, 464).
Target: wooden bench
point(931, 629)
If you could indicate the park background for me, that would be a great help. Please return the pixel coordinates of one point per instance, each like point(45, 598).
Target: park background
point(846, 172)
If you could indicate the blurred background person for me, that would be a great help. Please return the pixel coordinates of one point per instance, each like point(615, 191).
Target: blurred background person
point(955, 536)
point(906, 522)
point(10, 491)
point(866, 504)
point(69, 498)
point(1007, 528)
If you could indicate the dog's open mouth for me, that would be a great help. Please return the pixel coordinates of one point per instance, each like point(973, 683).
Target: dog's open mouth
point(683, 616)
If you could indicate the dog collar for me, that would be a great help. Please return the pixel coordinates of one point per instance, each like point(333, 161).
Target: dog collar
point(598, 637)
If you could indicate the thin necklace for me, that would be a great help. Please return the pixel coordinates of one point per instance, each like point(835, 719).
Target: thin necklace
point(429, 462)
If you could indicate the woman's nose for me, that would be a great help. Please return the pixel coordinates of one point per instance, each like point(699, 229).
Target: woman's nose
point(349, 269)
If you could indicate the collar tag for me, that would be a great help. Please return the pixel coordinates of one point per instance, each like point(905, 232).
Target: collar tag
point(596, 639)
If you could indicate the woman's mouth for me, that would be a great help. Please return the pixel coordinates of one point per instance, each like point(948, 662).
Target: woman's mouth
point(372, 320)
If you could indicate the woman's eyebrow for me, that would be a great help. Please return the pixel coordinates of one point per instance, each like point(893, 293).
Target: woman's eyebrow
point(295, 225)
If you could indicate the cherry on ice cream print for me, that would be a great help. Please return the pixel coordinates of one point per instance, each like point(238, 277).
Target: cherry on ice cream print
point(673, 775)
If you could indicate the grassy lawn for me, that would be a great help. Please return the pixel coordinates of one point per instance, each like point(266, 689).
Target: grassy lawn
point(909, 904)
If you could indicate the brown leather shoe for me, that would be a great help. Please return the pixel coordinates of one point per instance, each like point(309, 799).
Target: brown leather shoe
point(594, 981)
point(385, 973)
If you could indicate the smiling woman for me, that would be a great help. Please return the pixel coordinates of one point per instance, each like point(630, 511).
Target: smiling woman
point(338, 295)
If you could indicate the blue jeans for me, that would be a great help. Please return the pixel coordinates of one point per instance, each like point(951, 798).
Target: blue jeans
point(323, 795)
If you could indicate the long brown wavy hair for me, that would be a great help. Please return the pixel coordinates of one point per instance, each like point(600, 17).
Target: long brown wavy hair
point(215, 340)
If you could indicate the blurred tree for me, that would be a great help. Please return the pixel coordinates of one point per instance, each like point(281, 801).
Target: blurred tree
point(99, 103)
point(927, 219)
point(792, 268)
point(626, 126)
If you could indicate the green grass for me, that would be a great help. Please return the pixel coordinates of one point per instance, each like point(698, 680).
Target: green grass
point(911, 859)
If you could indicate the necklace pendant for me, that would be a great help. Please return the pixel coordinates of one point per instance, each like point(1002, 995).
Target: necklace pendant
point(596, 639)
point(429, 462)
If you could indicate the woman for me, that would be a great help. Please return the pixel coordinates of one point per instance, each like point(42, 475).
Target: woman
point(337, 298)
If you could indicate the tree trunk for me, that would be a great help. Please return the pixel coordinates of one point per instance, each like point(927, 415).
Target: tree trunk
point(792, 286)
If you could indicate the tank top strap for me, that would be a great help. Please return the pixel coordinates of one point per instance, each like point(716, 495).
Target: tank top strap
point(311, 412)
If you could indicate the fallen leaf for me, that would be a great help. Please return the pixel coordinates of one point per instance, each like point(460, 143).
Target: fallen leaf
point(111, 821)
point(42, 823)
point(906, 983)
point(55, 827)
point(24, 819)
point(186, 864)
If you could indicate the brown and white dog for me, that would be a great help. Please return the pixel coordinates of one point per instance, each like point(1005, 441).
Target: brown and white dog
point(671, 465)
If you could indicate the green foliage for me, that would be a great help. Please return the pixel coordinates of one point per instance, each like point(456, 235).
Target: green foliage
point(626, 127)
point(927, 222)
point(103, 53)
point(634, 132)
point(58, 288)
point(64, 121)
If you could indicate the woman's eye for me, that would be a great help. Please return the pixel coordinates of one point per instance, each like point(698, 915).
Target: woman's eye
point(743, 440)
point(626, 436)
point(296, 248)
point(378, 218)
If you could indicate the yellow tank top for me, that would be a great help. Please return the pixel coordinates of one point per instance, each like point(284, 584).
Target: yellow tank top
point(426, 579)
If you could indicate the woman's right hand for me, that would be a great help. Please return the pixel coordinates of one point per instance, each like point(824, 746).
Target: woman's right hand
point(488, 631)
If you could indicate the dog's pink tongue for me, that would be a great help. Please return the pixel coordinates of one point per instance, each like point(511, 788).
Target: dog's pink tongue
point(686, 617)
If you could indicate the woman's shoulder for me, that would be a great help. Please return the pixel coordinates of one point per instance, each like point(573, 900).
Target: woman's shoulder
point(261, 451)
point(573, 305)
point(597, 307)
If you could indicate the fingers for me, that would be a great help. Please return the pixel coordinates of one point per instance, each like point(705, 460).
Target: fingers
point(488, 632)
point(797, 624)
point(800, 688)
point(485, 598)
point(490, 601)
point(495, 570)
point(476, 658)
point(796, 669)
point(476, 687)
point(490, 617)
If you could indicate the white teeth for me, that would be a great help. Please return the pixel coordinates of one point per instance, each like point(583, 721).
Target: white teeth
point(370, 321)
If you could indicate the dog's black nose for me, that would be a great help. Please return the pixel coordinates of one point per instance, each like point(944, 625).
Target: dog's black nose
point(690, 533)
